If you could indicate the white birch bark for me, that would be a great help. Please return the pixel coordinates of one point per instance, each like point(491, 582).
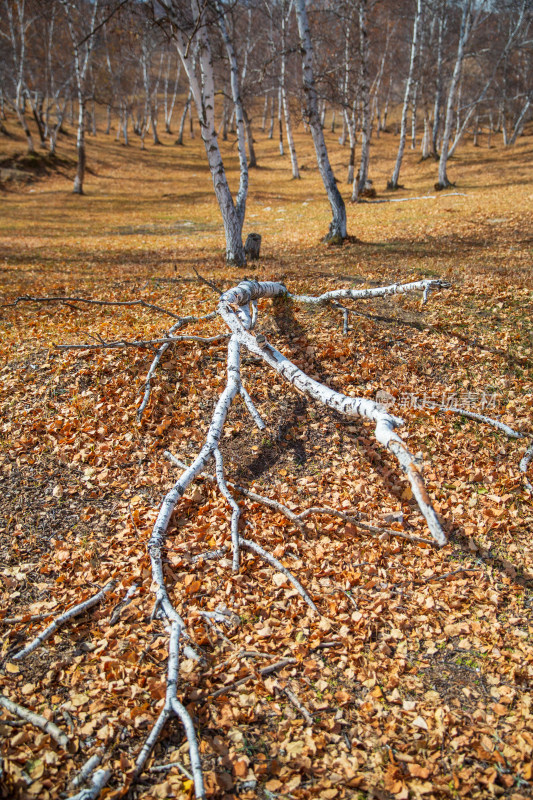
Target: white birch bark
point(203, 92)
point(81, 64)
point(409, 87)
point(285, 14)
point(464, 34)
point(17, 35)
point(361, 178)
point(337, 229)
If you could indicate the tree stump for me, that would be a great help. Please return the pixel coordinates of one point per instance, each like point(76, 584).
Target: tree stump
point(252, 246)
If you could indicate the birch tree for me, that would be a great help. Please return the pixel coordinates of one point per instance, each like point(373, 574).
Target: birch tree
point(16, 33)
point(409, 91)
point(361, 178)
point(81, 51)
point(192, 28)
point(465, 29)
point(337, 229)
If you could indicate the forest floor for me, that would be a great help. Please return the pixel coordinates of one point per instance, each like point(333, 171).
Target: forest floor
point(418, 675)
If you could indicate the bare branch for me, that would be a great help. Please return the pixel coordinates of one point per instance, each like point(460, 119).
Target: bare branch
point(70, 300)
point(98, 781)
point(68, 615)
point(144, 342)
point(37, 720)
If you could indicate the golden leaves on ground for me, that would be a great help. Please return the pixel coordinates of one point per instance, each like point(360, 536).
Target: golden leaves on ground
point(417, 676)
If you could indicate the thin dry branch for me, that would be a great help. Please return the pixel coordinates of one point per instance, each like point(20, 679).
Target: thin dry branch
point(264, 671)
point(98, 781)
point(70, 300)
point(143, 342)
point(297, 519)
point(172, 705)
point(524, 463)
point(37, 720)
point(56, 623)
point(258, 550)
point(482, 418)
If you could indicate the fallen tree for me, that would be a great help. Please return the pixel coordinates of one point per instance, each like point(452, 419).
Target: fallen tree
point(238, 311)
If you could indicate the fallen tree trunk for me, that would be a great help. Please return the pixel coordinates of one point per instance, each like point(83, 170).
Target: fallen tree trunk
point(238, 310)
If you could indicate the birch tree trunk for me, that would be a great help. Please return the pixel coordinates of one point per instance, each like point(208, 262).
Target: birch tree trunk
point(280, 122)
point(464, 33)
point(519, 125)
point(348, 122)
point(17, 35)
point(271, 126)
point(81, 65)
point(409, 86)
point(438, 85)
point(285, 100)
point(203, 92)
point(337, 229)
point(361, 178)
point(179, 140)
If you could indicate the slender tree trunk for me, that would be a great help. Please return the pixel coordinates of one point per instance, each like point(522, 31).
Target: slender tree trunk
point(191, 122)
point(225, 120)
point(409, 86)
point(517, 130)
point(280, 123)
point(413, 116)
point(476, 131)
point(179, 140)
point(337, 229)
point(438, 87)
point(344, 131)
point(271, 126)
point(265, 112)
point(125, 126)
point(80, 147)
point(361, 178)
point(464, 33)
point(426, 139)
point(284, 98)
point(250, 140)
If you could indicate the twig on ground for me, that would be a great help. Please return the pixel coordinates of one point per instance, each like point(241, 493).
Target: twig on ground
point(258, 550)
point(212, 285)
point(524, 463)
point(172, 765)
point(144, 342)
point(88, 768)
point(293, 699)
point(70, 300)
point(98, 781)
point(23, 618)
point(264, 671)
point(235, 510)
point(56, 623)
point(37, 720)
point(482, 418)
point(119, 608)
